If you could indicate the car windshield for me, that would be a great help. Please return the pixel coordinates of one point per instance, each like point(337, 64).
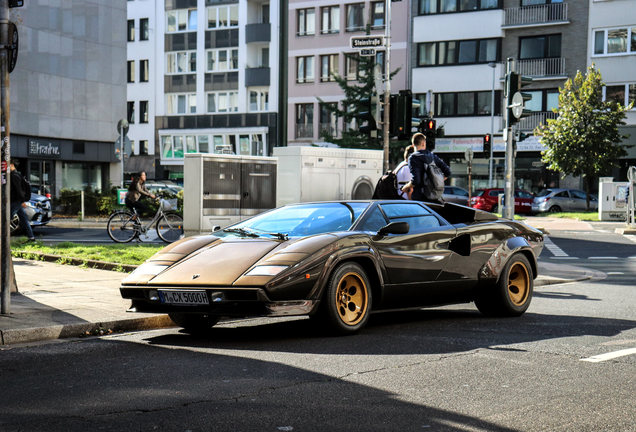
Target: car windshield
point(301, 220)
point(544, 192)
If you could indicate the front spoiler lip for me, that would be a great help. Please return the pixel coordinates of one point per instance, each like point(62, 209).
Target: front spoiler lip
point(271, 309)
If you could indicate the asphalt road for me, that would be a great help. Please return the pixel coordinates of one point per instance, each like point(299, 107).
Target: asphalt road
point(560, 367)
point(53, 235)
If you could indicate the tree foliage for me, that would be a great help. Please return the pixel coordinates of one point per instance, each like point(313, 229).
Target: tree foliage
point(584, 139)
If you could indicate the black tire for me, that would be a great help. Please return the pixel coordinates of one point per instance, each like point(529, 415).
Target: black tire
point(170, 227)
point(347, 300)
point(194, 323)
point(512, 294)
point(121, 228)
point(555, 209)
point(14, 225)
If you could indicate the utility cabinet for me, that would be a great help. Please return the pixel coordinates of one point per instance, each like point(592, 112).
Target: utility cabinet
point(612, 199)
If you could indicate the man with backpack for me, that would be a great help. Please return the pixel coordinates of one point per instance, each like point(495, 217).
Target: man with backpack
point(20, 194)
point(428, 173)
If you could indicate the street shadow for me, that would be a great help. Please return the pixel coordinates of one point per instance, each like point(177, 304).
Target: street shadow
point(426, 331)
point(562, 296)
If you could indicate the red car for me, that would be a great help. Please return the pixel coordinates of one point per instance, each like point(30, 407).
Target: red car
point(487, 199)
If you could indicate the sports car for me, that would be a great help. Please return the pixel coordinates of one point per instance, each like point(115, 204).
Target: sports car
point(338, 262)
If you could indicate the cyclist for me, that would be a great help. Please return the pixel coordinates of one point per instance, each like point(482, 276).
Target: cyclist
point(136, 189)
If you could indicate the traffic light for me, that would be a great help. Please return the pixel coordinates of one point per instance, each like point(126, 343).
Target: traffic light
point(402, 118)
point(366, 119)
point(428, 127)
point(515, 98)
point(487, 145)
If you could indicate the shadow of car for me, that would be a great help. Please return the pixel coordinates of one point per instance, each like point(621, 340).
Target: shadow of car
point(555, 200)
point(455, 195)
point(38, 211)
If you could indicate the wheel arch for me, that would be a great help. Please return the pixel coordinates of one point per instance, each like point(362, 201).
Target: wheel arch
point(503, 254)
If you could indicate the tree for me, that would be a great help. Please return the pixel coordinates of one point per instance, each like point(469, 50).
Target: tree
point(584, 139)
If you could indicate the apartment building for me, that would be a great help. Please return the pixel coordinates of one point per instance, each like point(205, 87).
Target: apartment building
point(68, 91)
point(212, 85)
point(320, 34)
point(612, 49)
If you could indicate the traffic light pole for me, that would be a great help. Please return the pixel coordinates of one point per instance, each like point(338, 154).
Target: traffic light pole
point(387, 89)
point(509, 200)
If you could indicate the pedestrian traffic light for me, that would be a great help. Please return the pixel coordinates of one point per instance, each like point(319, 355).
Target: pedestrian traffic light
point(428, 127)
point(487, 145)
point(366, 119)
point(515, 98)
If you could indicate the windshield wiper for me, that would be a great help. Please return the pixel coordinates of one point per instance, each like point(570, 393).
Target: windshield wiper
point(278, 235)
point(241, 231)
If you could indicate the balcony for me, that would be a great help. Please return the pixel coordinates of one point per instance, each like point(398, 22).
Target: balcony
point(304, 130)
point(535, 119)
point(258, 32)
point(258, 76)
point(536, 15)
point(546, 68)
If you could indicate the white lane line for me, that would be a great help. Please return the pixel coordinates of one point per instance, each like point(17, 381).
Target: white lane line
point(564, 257)
point(610, 355)
point(603, 258)
point(615, 273)
point(554, 249)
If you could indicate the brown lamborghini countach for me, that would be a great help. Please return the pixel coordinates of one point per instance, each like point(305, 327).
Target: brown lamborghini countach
point(339, 261)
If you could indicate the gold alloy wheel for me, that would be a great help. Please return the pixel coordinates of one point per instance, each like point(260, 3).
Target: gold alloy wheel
point(352, 299)
point(518, 284)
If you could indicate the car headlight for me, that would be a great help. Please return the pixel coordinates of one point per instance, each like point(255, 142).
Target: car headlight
point(149, 269)
point(30, 204)
point(266, 270)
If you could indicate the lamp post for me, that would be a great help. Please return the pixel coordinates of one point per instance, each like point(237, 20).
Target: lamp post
point(492, 123)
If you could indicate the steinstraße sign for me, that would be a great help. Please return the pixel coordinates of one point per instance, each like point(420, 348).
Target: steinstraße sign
point(45, 150)
point(362, 42)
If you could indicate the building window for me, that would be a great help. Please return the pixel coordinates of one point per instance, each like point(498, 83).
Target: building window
point(458, 52)
point(181, 20)
point(330, 19)
point(131, 112)
point(181, 103)
point(304, 69)
point(131, 30)
point(623, 94)
point(175, 146)
point(222, 60)
point(462, 104)
point(615, 41)
point(223, 16)
point(180, 62)
point(328, 119)
point(143, 147)
point(305, 120)
point(377, 15)
point(355, 17)
point(351, 67)
point(328, 67)
point(542, 100)
point(306, 22)
point(429, 7)
point(131, 71)
point(219, 102)
point(258, 100)
point(144, 71)
point(144, 29)
point(143, 111)
point(538, 47)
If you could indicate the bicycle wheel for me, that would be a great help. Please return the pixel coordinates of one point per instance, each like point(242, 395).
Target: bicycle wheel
point(121, 228)
point(170, 227)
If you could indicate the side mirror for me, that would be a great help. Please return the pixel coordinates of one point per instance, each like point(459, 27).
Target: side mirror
point(394, 228)
point(216, 228)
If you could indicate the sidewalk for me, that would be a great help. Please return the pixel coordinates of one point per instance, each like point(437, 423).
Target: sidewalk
point(62, 301)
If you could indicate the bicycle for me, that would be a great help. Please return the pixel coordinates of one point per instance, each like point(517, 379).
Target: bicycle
point(125, 225)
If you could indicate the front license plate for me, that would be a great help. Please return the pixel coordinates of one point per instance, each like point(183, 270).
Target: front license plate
point(184, 297)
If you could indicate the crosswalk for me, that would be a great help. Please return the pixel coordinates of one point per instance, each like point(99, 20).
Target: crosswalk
point(560, 254)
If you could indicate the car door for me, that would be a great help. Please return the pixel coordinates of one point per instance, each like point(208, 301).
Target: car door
point(579, 201)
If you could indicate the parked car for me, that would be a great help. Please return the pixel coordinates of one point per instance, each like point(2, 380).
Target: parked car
point(488, 200)
point(38, 212)
point(455, 195)
point(338, 261)
point(559, 199)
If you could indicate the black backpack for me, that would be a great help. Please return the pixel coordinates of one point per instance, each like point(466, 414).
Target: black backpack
point(386, 188)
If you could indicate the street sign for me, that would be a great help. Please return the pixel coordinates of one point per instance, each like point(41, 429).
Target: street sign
point(367, 52)
point(517, 104)
point(122, 124)
point(13, 46)
point(16, 3)
point(361, 42)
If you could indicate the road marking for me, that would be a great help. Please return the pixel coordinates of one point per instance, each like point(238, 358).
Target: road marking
point(610, 355)
point(615, 273)
point(564, 257)
point(554, 249)
point(603, 258)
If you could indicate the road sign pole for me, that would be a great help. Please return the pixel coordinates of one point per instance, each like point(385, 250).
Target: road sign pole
point(509, 186)
point(387, 87)
point(6, 264)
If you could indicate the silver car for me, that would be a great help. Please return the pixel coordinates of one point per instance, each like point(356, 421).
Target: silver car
point(455, 195)
point(557, 200)
point(37, 210)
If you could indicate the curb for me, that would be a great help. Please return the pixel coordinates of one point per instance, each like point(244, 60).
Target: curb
point(62, 331)
point(101, 265)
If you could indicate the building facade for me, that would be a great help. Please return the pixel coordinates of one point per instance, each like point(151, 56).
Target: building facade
point(214, 85)
point(319, 38)
point(68, 91)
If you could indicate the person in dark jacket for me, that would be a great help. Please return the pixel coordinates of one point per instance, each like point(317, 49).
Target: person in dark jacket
point(17, 205)
point(136, 190)
point(416, 165)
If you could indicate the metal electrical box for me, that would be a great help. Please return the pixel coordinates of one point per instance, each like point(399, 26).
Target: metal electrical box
point(612, 199)
point(225, 189)
point(324, 174)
